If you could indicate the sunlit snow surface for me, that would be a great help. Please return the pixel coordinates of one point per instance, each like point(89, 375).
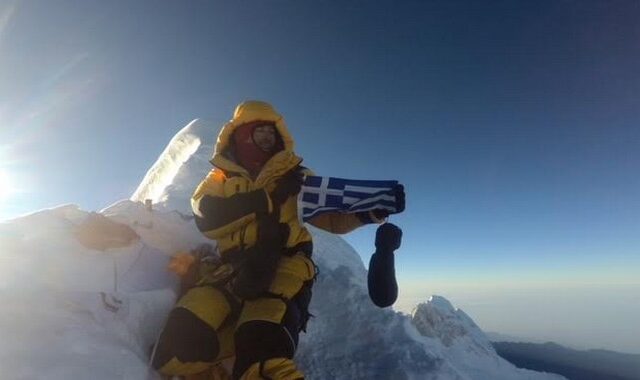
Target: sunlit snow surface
point(70, 312)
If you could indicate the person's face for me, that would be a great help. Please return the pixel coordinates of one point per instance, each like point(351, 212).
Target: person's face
point(264, 137)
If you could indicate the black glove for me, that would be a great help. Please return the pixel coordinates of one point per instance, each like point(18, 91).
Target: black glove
point(257, 271)
point(388, 238)
point(287, 186)
point(271, 233)
point(381, 279)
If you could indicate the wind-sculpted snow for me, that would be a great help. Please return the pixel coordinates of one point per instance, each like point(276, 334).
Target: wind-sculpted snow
point(350, 338)
point(71, 311)
point(172, 179)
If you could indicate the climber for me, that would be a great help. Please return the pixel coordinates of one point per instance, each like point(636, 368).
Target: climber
point(252, 302)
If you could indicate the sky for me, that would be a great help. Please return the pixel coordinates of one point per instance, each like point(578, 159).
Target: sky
point(514, 127)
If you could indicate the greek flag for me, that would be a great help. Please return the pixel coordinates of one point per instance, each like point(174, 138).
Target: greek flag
point(324, 194)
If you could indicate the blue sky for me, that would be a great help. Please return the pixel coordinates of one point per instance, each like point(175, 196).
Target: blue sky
point(513, 125)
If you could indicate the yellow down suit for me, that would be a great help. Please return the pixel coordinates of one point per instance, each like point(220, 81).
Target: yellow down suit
point(210, 323)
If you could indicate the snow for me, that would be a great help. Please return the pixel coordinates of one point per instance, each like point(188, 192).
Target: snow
point(172, 179)
point(72, 311)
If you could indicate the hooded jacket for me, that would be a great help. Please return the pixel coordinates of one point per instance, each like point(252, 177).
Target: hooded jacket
point(227, 201)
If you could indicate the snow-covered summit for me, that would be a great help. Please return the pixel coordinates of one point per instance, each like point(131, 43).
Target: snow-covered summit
point(79, 309)
point(437, 318)
point(171, 180)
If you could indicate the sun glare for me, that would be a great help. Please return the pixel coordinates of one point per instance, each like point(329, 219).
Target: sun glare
point(6, 187)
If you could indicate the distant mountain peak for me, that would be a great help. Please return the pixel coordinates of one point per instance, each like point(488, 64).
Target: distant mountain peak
point(437, 318)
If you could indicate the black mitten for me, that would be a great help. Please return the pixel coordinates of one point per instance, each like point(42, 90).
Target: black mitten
point(287, 186)
point(259, 266)
point(383, 288)
point(388, 238)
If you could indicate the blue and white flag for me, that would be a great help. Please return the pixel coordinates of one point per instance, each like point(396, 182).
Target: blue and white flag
point(325, 194)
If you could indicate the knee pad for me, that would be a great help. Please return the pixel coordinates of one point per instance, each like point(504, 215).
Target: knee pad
point(258, 341)
point(187, 339)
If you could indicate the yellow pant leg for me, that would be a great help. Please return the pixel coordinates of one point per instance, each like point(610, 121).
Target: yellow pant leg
point(291, 274)
point(277, 368)
point(225, 337)
point(214, 372)
point(267, 330)
point(191, 341)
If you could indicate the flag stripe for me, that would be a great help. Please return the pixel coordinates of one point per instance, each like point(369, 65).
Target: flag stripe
point(368, 190)
point(377, 198)
point(374, 205)
point(361, 195)
point(325, 194)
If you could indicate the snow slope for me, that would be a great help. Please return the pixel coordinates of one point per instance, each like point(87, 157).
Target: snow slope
point(71, 311)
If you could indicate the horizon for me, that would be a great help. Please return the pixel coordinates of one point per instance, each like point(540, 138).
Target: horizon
point(514, 128)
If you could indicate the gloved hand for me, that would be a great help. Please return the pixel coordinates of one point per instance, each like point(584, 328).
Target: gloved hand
point(261, 261)
point(287, 186)
point(381, 279)
point(388, 238)
point(272, 233)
